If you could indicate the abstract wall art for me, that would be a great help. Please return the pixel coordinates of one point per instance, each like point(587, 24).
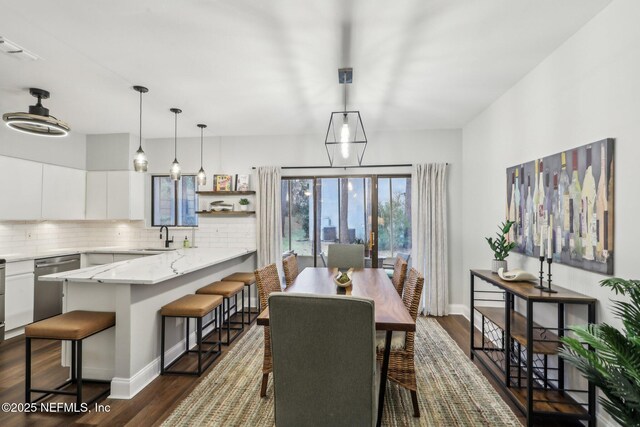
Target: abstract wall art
point(562, 206)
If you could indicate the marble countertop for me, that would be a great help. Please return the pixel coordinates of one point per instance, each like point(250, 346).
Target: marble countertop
point(152, 269)
point(26, 256)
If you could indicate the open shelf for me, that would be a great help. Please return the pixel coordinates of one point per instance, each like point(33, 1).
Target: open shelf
point(226, 213)
point(544, 342)
point(225, 193)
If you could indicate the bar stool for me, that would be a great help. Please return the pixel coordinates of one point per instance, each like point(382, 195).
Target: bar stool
point(73, 326)
point(190, 307)
point(249, 279)
point(227, 290)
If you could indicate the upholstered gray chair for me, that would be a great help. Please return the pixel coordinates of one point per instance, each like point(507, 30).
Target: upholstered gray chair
point(324, 360)
point(345, 256)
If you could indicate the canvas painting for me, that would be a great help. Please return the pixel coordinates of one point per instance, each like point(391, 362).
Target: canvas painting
point(563, 207)
point(222, 183)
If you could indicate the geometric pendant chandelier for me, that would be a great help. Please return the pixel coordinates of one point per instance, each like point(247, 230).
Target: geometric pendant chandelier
point(345, 136)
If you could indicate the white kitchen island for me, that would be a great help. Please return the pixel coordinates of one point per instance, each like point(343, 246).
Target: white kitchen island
point(129, 354)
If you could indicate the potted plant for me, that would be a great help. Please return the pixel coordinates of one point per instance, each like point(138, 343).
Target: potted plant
point(244, 203)
point(614, 366)
point(501, 246)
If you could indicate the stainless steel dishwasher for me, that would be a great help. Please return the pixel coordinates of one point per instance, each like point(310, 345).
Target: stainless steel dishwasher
point(2, 276)
point(47, 298)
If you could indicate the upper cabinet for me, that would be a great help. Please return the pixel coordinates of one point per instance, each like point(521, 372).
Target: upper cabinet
point(115, 195)
point(21, 193)
point(63, 192)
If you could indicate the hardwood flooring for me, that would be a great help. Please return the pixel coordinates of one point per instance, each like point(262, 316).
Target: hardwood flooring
point(149, 407)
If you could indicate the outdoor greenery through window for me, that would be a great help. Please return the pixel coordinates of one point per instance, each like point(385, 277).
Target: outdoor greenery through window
point(317, 212)
point(174, 202)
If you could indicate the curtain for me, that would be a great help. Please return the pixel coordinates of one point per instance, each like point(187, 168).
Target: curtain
point(429, 235)
point(269, 232)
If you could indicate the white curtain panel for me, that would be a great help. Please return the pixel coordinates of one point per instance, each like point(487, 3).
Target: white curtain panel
point(429, 235)
point(268, 215)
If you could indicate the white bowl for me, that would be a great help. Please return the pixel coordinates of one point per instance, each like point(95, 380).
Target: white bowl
point(342, 285)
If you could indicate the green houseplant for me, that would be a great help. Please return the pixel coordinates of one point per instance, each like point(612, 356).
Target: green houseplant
point(614, 366)
point(501, 246)
point(244, 203)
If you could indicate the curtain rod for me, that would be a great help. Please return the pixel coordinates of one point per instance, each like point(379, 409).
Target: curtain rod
point(346, 167)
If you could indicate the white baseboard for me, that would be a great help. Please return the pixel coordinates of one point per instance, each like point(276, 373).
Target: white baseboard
point(460, 309)
point(127, 388)
point(14, 333)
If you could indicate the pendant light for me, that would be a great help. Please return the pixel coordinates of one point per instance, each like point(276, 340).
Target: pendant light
point(175, 171)
point(202, 176)
point(345, 127)
point(37, 121)
point(140, 161)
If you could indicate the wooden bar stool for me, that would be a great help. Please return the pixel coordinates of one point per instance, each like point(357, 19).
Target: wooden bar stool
point(189, 307)
point(73, 326)
point(249, 279)
point(227, 290)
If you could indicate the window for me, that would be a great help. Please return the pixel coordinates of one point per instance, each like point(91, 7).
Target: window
point(174, 202)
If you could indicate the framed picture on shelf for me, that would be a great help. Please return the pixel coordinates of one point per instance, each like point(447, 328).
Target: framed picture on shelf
point(222, 183)
point(242, 182)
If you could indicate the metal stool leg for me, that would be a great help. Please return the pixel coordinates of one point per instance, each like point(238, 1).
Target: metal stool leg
point(199, 338)
point(162, 347)
point(79, 369)
point(27, 379)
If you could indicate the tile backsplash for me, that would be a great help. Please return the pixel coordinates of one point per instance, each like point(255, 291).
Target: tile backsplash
point(39, 236)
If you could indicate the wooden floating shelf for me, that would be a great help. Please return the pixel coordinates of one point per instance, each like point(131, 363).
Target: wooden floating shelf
point(226, 193)
point(544, 342)
point(226, 213)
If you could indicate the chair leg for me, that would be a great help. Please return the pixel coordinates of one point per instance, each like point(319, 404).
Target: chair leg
point(263, 388)
point(414, 400)
point(78, 345)
point(27, 378)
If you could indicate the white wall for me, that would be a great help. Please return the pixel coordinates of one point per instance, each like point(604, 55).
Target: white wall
point(110, 152)
point(69, 151)
point(587, 90)
point(239, 154)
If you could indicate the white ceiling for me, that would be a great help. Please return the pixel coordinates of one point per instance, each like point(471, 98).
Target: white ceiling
point(258, 67)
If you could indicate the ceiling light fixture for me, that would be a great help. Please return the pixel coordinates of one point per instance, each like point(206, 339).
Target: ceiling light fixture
point(351, 134)
point(140, 161)
point(37, 121)
point(202, 176)
point(175, 171)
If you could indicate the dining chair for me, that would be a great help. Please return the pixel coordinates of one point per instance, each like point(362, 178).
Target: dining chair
point(389, 263)
point(324, 367)
point(402, 368)
point(345, 256)
point(290, 267)
point(268, 281)
point(399, 274)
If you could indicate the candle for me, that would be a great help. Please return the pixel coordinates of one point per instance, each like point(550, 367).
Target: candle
point(550, 238)
point(542, 247)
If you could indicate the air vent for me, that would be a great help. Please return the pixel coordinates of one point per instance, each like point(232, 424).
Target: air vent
point(15, 51)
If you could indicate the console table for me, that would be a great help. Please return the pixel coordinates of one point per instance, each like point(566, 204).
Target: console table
point(522, 355)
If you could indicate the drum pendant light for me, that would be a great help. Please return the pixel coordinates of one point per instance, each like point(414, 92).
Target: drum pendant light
point(202, 176)
point(37, 121)
point(140, 161)
point(175, 171)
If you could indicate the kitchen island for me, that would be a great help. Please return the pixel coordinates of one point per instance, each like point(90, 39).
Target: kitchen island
point(129, 354)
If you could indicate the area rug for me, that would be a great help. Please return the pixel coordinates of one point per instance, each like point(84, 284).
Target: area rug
point(451, 389)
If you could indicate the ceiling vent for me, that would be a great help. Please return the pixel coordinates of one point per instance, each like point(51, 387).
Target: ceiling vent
point(11, 49)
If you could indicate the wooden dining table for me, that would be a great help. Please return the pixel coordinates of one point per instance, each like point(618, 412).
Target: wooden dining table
point(390, 312)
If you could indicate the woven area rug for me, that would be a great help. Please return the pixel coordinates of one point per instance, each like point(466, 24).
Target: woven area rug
point(451, 389)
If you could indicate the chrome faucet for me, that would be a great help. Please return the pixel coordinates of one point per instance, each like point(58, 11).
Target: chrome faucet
point(166, 239)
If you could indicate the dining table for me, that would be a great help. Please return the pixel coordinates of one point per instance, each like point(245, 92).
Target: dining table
point(391, 315)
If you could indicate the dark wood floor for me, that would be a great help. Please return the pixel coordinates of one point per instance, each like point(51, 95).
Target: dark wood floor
point(149, 407)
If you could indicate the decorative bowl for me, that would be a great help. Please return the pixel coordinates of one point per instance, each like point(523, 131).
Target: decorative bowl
point(216, 208)
point(345, 284)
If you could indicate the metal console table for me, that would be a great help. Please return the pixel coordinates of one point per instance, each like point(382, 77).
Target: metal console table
point(522, 355)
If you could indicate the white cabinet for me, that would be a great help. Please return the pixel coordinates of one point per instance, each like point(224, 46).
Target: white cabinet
point(19, 287)
point(63, 192)
point(115, 195)
point(97, 195)
point(21, 194)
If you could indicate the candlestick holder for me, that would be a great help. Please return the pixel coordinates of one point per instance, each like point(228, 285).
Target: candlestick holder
point(541, 286)
point(549, 290)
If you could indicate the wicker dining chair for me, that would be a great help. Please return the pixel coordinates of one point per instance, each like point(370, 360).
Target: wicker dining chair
point(290, 266)
point(268, 281)
point(402, 368)
point(399, 274)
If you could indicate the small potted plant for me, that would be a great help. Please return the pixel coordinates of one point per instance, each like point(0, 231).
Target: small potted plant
point(501, 246)
point(244, 203)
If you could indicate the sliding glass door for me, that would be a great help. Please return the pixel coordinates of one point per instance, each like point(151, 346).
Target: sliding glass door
point(368, 210)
